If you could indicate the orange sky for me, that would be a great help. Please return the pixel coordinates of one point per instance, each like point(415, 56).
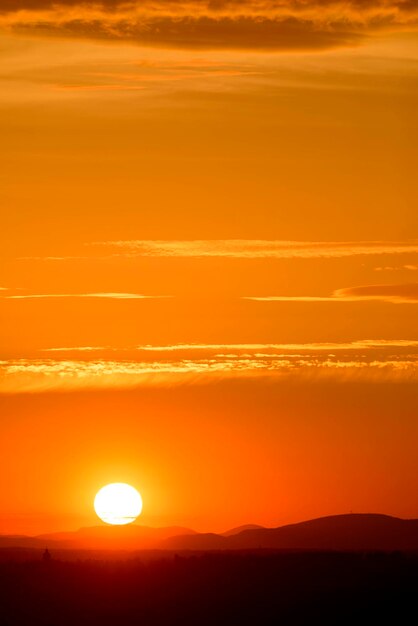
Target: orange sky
point(209, 257)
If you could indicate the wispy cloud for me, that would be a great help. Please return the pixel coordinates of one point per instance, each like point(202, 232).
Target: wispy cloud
point(22, 375)
point(313, 346)
point(260, 249)
point(241, 24)
point(391, 268)
point(244, 249)
point(374, 359)
point(394, 294)
point(397, 294)
point(79, 349)
point(239, 348)
point(110, 295)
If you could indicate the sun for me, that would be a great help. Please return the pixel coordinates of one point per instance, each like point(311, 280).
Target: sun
point(118, 504)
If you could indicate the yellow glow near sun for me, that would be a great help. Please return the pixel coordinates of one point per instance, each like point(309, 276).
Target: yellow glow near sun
point(118, 504)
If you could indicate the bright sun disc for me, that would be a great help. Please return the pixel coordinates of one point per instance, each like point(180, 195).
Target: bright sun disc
point(118, 504)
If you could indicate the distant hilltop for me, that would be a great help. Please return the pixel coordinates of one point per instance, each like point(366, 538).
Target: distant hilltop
point(338, 532)
point(353, 532)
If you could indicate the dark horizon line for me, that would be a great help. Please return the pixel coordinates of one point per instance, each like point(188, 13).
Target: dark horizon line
point(240, 528)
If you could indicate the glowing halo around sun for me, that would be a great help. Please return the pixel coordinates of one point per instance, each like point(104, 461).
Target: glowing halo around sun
point(118, 504)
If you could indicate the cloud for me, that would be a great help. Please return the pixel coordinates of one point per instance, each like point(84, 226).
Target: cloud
point(205, 24)
point(376, 360)
point(388, 293)
point(111, 296)
point(259, 248)
point(314, 346)
point(37, 375)
point(395, 294)
point(391, 268)
point(239, 348)
point(244, 249)
point(78, 349)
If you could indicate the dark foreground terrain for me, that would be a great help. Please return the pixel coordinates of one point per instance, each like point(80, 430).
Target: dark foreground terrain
point(258, 588)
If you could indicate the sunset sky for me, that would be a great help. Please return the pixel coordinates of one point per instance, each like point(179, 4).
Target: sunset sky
point(209, 259)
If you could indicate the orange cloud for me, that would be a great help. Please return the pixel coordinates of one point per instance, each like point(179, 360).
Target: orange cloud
point(255, 24)
point(323, 346)
point(391, 268)
point(388, 293)
point(37, 375)
point(376, 359)
point(259, 248)
point(111, 296)
point(395, 294)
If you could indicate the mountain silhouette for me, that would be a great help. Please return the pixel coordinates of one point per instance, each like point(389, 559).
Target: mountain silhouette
point(129, 537)
point(240, 529)
point(337, 532)
point(132, 537)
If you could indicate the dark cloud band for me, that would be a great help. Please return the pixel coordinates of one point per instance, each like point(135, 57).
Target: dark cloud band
point(250, 24)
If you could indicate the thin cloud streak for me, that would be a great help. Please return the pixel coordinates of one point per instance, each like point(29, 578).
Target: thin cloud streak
point(391, 268)
point(351, 345)
point(393, 294)
point(398, 293)
point(79, 349)
point(238, 348)
point(388, 299)
point(111, 296)
point(259, 249)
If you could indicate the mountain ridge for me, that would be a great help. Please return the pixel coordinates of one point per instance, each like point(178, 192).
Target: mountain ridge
point(353, 531)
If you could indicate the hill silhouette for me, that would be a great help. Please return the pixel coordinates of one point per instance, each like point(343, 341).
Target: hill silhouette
point(338, 532)
point(130, 537)
point(240, 529)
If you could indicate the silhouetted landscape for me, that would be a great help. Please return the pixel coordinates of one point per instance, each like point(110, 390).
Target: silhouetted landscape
point(334, 570)
point(338, 532)
point(213, 588)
